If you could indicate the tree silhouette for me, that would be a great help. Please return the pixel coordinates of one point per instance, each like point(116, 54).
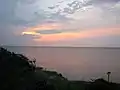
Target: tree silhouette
point(17, 72)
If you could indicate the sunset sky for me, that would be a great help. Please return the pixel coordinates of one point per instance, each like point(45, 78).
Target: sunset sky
point(82, 23)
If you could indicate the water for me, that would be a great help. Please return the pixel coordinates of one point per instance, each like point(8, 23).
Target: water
point(76, 63)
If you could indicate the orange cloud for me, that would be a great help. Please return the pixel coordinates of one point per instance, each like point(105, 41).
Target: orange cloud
point(50, 26)
point(87, 33)
point(81, 34)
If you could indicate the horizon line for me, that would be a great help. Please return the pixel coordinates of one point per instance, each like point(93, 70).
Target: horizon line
point(59, 46)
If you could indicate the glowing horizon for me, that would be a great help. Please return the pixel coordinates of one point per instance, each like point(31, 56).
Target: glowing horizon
point(79, 34)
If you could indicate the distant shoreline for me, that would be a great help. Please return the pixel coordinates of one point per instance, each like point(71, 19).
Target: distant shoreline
point(62, 47)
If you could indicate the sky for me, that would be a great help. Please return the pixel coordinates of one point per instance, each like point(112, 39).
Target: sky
point(81, 23)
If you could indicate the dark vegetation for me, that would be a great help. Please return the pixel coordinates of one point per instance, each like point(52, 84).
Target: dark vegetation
point(17, 72)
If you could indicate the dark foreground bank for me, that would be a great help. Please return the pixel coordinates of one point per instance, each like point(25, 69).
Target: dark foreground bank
point(17, 72)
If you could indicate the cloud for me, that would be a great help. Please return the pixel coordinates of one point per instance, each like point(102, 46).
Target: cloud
point(45, 26)
point(48, 28)
point(33, 15)
point(96, 2)
point(26, 12)
point(53, 7)
point(93, 33)
point(76, 5)
point(23, 22)
point(9, 24)
point(16, 15)
point(61, 1)
point(49, 31)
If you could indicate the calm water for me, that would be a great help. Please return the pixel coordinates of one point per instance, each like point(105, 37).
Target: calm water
point(76, 63)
